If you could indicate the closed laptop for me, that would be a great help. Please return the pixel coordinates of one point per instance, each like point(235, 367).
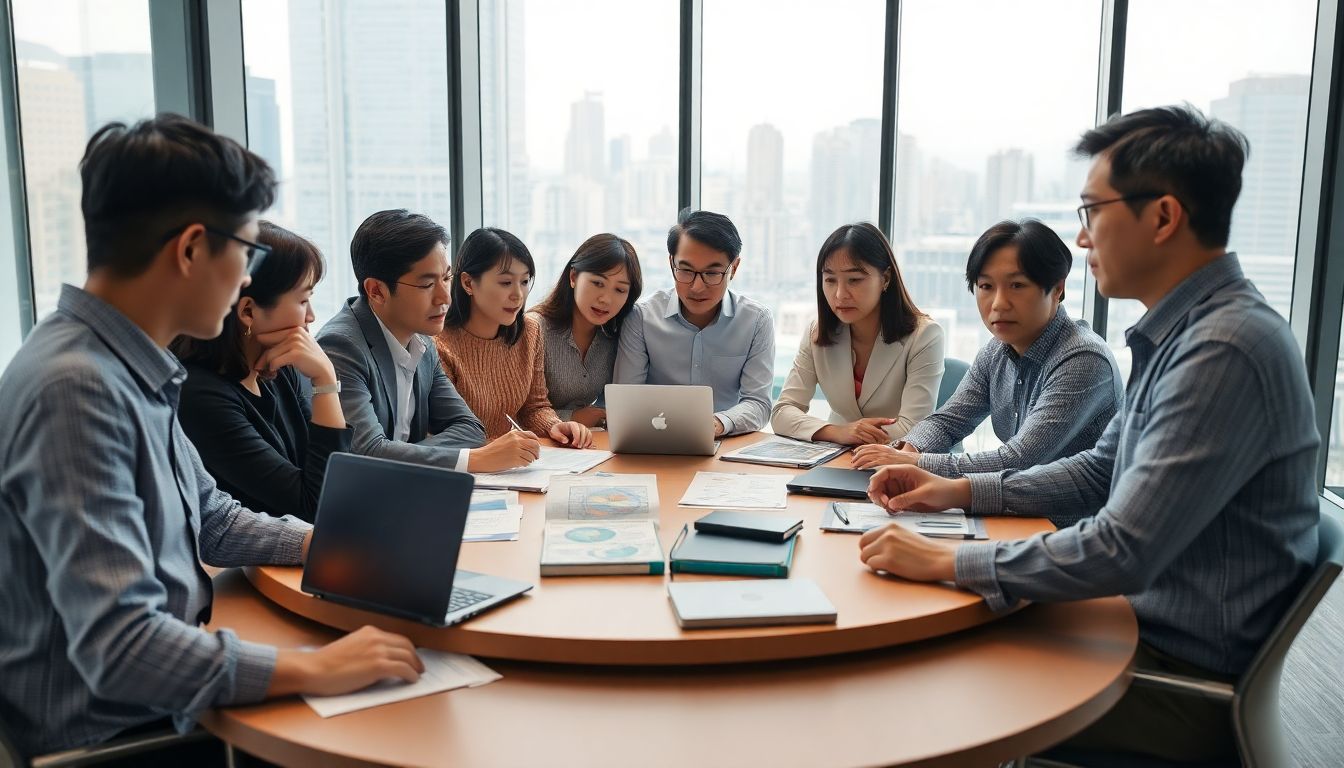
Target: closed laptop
point(833, 481)
point(704, 604)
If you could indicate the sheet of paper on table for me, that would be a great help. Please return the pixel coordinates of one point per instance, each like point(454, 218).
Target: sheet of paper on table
point(731, 490)
point(536, 477)
point(443, 672)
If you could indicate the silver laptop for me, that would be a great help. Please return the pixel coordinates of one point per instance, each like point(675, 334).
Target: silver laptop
point(386, 538)
point(661, 418)
point(749, 603)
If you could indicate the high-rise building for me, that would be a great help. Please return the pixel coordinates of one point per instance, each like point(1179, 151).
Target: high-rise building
point(263, 120)
point(361, 146)
point(53, 122)
point(585, 144)
point(845, 164)
point(117, 86)
point(1009, 177)
point(504, 158)
point(1272, 111)
point(765, 169)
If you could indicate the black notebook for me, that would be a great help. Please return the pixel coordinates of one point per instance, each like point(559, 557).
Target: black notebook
point(749, 525)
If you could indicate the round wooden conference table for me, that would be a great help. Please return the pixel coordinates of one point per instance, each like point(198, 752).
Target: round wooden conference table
point(596, 671)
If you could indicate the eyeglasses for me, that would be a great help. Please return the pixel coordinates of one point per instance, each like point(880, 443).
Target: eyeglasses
point(687, 276)
point(446, 280)
point(1085, 210)
point(256, 252)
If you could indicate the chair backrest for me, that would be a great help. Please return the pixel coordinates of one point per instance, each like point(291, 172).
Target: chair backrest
point(953, 371)
point(1255, 706)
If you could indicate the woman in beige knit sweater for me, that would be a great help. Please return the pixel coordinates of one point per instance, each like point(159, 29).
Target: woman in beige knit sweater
point(490, 350)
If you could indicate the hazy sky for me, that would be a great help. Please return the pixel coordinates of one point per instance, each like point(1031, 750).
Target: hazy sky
point(976, 75)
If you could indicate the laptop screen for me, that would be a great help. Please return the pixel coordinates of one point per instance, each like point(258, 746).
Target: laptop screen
point(387, 535)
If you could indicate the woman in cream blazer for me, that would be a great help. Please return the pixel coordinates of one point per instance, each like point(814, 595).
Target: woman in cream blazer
point(878, 359)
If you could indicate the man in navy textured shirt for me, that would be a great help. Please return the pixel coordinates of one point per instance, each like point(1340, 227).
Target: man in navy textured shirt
point(1200, 495)
point(106, 512)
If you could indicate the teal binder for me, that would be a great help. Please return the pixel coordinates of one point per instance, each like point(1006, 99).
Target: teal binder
point(707, 553)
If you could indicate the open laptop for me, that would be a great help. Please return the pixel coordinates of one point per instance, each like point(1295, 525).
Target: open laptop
point(661, 418)
point(386, 538)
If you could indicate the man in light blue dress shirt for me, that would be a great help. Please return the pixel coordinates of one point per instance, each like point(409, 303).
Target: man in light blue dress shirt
point(1200, 497)
point(106, 511)
point(704, 333)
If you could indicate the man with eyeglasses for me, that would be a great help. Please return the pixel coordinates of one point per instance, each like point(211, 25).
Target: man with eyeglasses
point(106, 511)
point(1200, 497)
point(394, 393)
point(704, 333)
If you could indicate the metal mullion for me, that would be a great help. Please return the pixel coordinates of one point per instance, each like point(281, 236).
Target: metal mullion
point(1110, 93)
point(691, 68)
point(1321, 226)
point(464, 119)
point(891, 60)
point(16, 188)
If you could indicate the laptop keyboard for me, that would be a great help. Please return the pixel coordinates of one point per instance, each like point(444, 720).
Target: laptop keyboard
point(462, 598)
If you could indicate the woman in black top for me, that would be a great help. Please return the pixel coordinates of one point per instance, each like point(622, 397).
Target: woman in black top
point(246, 402)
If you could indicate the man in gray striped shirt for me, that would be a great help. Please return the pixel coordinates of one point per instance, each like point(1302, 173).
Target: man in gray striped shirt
point(1201, 493)
point(1048, 384)
point(106, 511)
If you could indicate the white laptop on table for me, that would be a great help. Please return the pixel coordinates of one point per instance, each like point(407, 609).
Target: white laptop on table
point(661, 418)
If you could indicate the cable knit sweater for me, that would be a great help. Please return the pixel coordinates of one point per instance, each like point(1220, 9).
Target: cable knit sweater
point(497, 379)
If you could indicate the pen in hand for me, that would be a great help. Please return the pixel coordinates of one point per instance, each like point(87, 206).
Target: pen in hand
point(513, 425)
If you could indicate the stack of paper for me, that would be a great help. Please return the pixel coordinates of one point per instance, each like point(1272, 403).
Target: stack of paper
point(536, 477)
point(493, 516)
point(443, 672)
point(727, 490)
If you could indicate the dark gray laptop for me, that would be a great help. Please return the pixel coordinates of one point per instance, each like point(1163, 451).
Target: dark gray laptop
point(661, 418)
point(833, 481)
point(386, 538)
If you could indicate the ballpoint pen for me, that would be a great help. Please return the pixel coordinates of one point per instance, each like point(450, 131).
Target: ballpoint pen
point(513, 424)
point(835, 508)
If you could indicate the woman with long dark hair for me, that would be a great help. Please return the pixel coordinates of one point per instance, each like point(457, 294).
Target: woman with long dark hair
point(581, 321)
point(877, 358)
point(261, 401)
point(491, 350)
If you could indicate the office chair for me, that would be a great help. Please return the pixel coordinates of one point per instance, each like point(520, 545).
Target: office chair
point(953, 372)
point(1261, 740)
point(115, 749)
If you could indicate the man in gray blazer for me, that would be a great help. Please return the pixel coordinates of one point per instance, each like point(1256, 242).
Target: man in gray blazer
point(393, 392)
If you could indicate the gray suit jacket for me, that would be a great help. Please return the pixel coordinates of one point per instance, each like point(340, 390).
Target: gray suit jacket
point(442, 424)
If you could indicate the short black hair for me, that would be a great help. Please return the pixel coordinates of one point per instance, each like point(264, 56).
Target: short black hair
point(388, 244)
point(597, 255)
point(485, 249)
point(1043, 256)
point(292, 260)
point(712, 229)
point(865, 244)
point(1175, 150)
point(144, 183)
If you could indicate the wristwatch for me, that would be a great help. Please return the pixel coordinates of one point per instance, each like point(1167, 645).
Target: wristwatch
point(327, 389)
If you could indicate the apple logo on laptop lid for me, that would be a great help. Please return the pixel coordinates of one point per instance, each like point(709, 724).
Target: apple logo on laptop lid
point(659, 422)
